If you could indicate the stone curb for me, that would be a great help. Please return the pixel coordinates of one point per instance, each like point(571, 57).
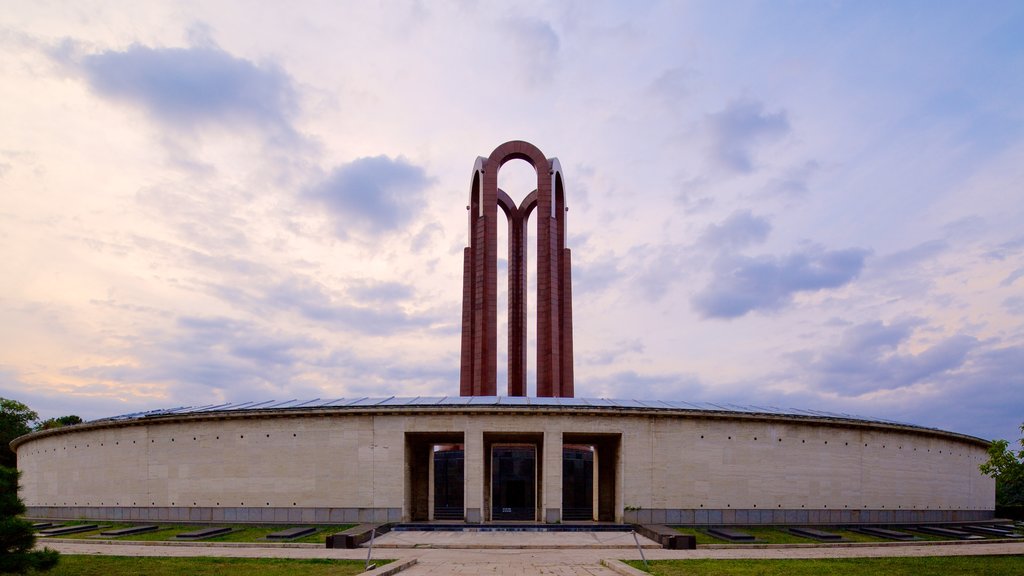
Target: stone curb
point(390, 568)
point(621, 567)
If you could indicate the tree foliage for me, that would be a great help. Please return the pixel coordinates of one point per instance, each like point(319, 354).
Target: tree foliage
point(49, 423)
point(16, 419)
point(16, 535)
point(1007, 467)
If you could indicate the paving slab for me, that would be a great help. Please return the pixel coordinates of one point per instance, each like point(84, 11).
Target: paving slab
point(512, 540)
point(549, 561)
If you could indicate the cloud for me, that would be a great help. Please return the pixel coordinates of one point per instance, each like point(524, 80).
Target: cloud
point(385, 292)
point(738, 230)
point(426, 237)
point(659, 268)
point(596, 275)
point(199, 360)
point(794, 183)
point(612, 355)
point(311, 301)
point(673, 85)
point(914, 256)
point(373, 195)
point(1014, 305)
point(536, 48)
point(868, 358)
point(629, 384)
point(1013, 277)
point(191, 87)
point(958, 383)
point(1006, 249)
point(738, 128)
point(743, 284)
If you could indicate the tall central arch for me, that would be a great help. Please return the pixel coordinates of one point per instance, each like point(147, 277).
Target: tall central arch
point(479, 373)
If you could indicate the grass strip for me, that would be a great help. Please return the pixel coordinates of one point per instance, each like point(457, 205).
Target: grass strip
point(81, 565)
point(892, 566)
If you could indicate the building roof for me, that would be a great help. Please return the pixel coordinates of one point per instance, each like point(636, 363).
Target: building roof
point(510, 401)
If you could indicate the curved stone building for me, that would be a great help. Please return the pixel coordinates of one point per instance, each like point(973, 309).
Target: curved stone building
point(492, 459)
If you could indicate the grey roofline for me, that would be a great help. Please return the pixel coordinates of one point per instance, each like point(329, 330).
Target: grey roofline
point(491, 404)
point(455, 401)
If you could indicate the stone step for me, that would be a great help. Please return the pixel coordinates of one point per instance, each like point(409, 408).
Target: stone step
point(730, 535)
point(815, 534)
point(884, 533)
point(130, 530)
point(73, 529)
point(292, 533)
point(204, 533)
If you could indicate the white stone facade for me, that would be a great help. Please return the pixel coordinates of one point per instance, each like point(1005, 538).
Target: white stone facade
point(357, 465)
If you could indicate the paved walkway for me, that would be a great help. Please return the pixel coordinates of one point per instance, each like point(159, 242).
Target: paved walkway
point(564, 554)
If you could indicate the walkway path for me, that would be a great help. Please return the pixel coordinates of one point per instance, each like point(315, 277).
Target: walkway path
point(564, 554)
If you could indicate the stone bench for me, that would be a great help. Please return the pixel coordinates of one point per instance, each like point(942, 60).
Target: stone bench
point(356, 535)
point(816, 534)
point(990, 531)
point(947, 532)
point(730, 535)
point(204, 533)
point(130, 530)
point(884, 533)
point(292, 533)
point(667, 536)
point(73, 529)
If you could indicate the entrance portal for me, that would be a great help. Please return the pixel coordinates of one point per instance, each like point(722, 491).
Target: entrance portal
point(577, 482)
point(449, 481)
point(591, 480)
point(514, 482)
point(434, 476)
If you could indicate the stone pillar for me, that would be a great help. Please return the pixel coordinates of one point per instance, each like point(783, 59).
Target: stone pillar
point(552, 480)
point(473, 468)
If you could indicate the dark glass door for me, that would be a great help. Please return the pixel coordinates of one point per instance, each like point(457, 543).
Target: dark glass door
point(577, 483)
point(513, 482)
point(449, 483)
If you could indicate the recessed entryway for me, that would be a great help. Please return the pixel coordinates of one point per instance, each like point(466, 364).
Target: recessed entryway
point(435, 476)
point(512, 470)
point(590, 476)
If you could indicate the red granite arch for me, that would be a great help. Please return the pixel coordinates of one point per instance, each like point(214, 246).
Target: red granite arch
point(554, 322)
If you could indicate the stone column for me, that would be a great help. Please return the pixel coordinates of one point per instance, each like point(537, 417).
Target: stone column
point(473, 468)
point(552, 480)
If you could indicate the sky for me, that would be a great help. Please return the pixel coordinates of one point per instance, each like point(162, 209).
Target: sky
point(796, 204)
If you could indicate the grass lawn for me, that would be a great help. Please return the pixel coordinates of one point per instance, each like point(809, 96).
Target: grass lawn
point(73, 565)
point(924, 566)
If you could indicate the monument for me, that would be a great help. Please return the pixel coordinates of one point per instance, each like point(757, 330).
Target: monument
point(480, 457)
point(480, 283)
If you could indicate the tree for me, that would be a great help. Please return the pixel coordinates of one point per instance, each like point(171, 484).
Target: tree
point(16, 535)
point(1007, 467)
point(49, 423)
point(16, 419)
